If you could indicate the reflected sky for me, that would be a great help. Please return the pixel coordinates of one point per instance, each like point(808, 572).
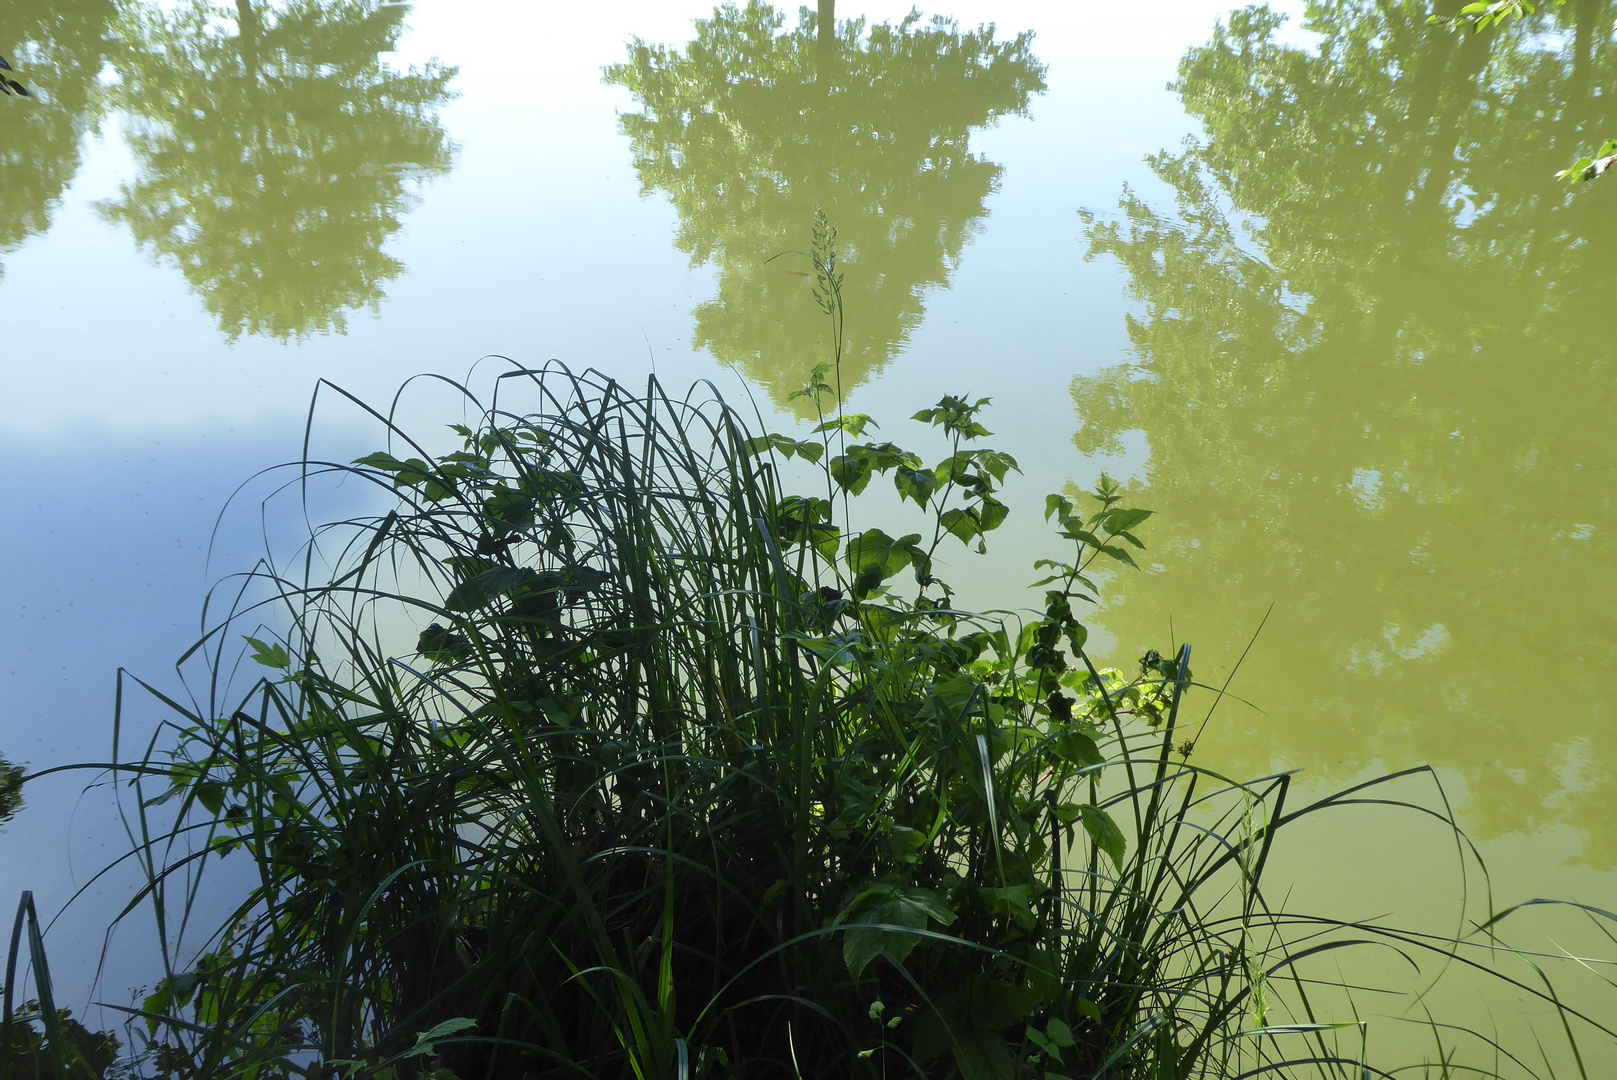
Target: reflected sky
point(1373, 365)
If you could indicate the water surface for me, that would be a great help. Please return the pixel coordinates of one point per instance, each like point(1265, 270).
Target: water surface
point(1317, 301)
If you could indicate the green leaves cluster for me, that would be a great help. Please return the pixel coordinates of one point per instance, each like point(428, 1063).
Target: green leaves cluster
point(1480, 15)
point(967, 753)
point(1485, 13)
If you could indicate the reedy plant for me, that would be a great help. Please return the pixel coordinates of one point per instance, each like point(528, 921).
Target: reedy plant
point(602, 754)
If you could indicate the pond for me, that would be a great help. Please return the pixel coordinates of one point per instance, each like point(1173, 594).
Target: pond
point(1300, 276)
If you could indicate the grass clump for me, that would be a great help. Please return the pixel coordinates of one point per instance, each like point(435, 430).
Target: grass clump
point(601, 753)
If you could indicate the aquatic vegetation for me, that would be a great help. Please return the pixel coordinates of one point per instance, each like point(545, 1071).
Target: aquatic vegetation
point(613, 747)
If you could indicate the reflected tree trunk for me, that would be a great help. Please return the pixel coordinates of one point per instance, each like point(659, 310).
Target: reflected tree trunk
point(825, 37)
point(247, 39)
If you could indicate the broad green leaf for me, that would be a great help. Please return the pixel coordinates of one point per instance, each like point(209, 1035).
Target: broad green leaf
point(917, 484)
point(993, 513)
point(1121, 520)
point(873, 556)
point(1104, 833)
point(1076, 748)
point(961, 523)
point(995, 1003)
point(894, 906)
point(956, 694)
point(272, 656)
point(1060, 1033)
point(1082, 535)
point(481, 591)
point(983, 1055)
point(381, 460)
point(929, 903)
point(997, 463)
point(1012, 900)
point(851, 472)
point(211, 795)
point(426, 1041)
point(1119, 554)
point(854, 424)
point(906, 844)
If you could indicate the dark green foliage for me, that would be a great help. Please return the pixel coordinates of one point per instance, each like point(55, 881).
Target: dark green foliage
point(38, 1040)
point(599, 753)
point(10, 790)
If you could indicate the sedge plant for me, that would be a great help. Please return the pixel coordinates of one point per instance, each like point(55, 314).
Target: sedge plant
point(607, 750)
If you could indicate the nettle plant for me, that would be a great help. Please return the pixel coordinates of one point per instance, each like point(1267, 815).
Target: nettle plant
point(686, 774)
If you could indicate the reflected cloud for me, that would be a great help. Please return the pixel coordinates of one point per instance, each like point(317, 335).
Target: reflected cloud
point(754, 127)
point(277, 153)
point(1395, 422)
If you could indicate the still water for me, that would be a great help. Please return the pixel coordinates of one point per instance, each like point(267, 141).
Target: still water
point(1305, 284)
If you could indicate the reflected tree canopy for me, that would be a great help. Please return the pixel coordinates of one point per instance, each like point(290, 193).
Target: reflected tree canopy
point(1374, 364)
point(60, 45)
point(754, 127)
point(277, 153)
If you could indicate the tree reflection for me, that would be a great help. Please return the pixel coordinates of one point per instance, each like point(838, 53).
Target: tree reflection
point(277, 153)
point(754, 127)
point(1395, 421)
point(60, 47)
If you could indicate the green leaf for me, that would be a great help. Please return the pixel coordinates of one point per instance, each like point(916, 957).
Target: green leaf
point(854, 424)
point(1083, 536)
point(997, 463)
point(851, 472)
point(156, 1005)
point(1049, 1048)
point(426, 1041)
point(983, 1055)
point(482, 590)
point(995, 1003)
point(873, 557)
point(1060, 1033)
point(271, 656)
point(211, 795)
point(1076, 748)
point(1058, 507)
point(961, 523)
point(1119, 554)
point(917, 484)
point(381, 460)
point(1104, 833)
point(993, 513)
point(906, 843)
point(1121, 520)
point(808, 450)
point(892, 905)
point(1012, 900)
